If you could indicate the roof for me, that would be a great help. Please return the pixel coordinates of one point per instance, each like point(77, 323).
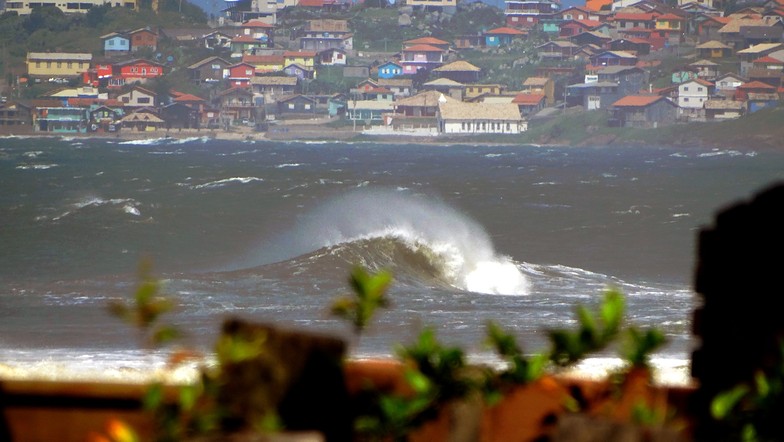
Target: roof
point(422, 48)
point(734, 26)
point(427, 98)
point(756, 85)
point(698, 81)
point(259, 59)
point(633, 16)
point(612, 70)
point(311, 3)
point(669, 17)
point(276, 80)
point(371, 105)
point(254, 23)
point(457, 66)
point(760, 48)
point(593, 85)
point(141, 117)
point(81, 56)
point(458, 110)
point(638, 100)
point(724, 104)
point(528, 99)
point(396, 82)
point(245, 39)
point(536, 81)
point(768, 60)
point(137, 61)
point(304, 54)
point(444, 82)
point(112, 35)
point(505, 31)
point(201, 63)
point(426, 41)
point(703, 62)
point(619, 54)
point(188, 97)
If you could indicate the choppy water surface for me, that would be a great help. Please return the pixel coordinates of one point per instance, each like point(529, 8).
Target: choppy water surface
point(269, 231)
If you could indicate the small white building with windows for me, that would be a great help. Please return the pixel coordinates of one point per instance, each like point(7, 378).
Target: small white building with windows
point(457, 117)
point(692, 96)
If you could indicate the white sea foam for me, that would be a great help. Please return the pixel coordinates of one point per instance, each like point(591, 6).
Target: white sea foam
point(281, 166)
point(36, 166)
point(227, 181)
point(146, 141)
point(127, 205)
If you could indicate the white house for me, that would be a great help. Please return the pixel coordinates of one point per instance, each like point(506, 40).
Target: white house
point(138, 97)
point(457, 117)
point(692, 96)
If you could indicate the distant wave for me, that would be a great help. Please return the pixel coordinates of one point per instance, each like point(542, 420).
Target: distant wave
point(126, 205)
point(36, 166)
point(417, 236)
point(226, 181)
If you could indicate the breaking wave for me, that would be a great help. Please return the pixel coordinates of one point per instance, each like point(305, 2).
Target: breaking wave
point(417, 238)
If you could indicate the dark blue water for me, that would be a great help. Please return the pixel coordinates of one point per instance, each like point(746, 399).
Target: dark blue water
point(269, 231)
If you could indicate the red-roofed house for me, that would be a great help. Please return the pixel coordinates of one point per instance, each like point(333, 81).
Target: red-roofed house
point(753, 87)
point(626, 20)
point(643, 111)
point(598, 5)
point(421, 56)
point(570, 28)
point(240, 74)
point(577, 13)
point(529, 103)
point(430, 41)
point(258, 30)
point(242, 44)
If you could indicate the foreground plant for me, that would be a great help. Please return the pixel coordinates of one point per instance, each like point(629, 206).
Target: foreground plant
point(369, 294)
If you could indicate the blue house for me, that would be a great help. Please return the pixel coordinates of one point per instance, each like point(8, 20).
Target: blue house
point(116, 44)
point(389, 69)
point(502, 36)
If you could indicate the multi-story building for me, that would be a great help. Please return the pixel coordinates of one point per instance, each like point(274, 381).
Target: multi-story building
point(25, 7)
point(57, 64)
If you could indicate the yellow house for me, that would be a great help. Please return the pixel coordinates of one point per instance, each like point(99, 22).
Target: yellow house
point(669, 22)
point(306, 59)
point(540, 85)
point(265, 63)
point(474, 90)
point(57, 64)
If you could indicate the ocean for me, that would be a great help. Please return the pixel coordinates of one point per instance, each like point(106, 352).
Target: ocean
point(269, 231)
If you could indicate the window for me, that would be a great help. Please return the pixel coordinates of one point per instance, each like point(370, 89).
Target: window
point(508, 126)
point(38, 64)
point(686, 88)
point(699, 89)
point(685, 100)
point(463, 125)
point(48, 64)
point(59, 64)
point(307, 107)
point(70, 65)
point(143, 100)
point(110, 43)
point(291, 106)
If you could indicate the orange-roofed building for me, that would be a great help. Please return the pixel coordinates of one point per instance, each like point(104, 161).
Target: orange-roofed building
point(430, 41)
point(598, 5)
point(421, 56)
point(753, 87)
point(643, 111)
point(529, 103)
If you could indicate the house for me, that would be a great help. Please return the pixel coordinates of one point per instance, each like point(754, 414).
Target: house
point(57, 64)
point(236, 105)
point(471, 41)
point(70, 8)
point(657, 39)
point(424, 104)
point(475, 90)
point(429, 41)
point(216, 40)
point(105, 118)
point(643, 111)
point(400, 87)
point(390, 69)
point(460, 71)
point(306, 59)
point(301, 72)
point(630, 45)
point(614, 58)
point(593, 95)
point(185, 37)
point(456, 117)
point(748, 55)
point(529, 103)
point(743, 91)
point(633, 20)
point(708, 27)
point(557, 50)
point(208, 70)
point(734, 33)
point(577, 13)
point(630, 79)
point(421, 57)
point(296, 106)
point(692, 95)
point(503, 36)
point(15, 116)
point(590, 38)
point(260, 31)
point(138, 97)
point(449, 88)
point(60, 119)
point(368, 111)
point(115, 44)
point(759, 101)
point(727, 84)
point(240, 74)
point(540, 85)
point(137, 70)
point(274, 85)
point(180, 115)
point(332, 57)
point(244, 44)
point(722, 110)
point(144, 38)
point(671, 25)
point(448, 6)
point(322, 34)
point(713, 49)
point(142, 121)
point(265, 63)
point(705, 69)
point(529, 13)
point(570, 28)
